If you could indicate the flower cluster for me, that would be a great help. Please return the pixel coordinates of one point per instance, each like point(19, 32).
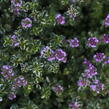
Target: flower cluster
point(59, 55)
point(51, 55)
point(19, 82)
point(93, 41)
point(7, 71)
point(87, 80)
point(96, 86)
point(36, 37)
point(15, 6)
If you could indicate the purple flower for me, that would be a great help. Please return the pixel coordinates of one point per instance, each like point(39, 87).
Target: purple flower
point(57, 88)
point(92, 42)
point(74, 42)
point(60, 55)
point(7, 75)
point(26, 23)
point(90, 70)
point(15, 9)
point(16, 2)
point(6, 68)
point(52, 57)
point(106, 22)
point(106, 61)
point(83, 83)
point(87, 63)
point(96, 81)
point(47, 52)
point(7, 71)
point(105, 38)
point(74, 105)
point(11, 96)
point(60, 19)
point(98, 57)
point(15, 43)
point(90, 74)
point(97, 86)
point(15, 6)
point(93, 87)
point(19, 82)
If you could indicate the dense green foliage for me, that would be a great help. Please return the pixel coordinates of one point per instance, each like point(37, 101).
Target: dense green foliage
point(41, 75)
